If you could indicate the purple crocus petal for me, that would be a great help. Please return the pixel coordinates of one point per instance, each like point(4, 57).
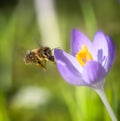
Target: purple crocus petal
point(104, 50)
point(68, 67)
point(100, 46)
point(93, 72)
point(77, 40)
point(111, 55)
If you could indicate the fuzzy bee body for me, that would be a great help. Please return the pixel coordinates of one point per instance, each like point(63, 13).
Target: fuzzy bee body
point(39, 56)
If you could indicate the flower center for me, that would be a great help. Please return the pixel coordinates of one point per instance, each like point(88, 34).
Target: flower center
point(84, 56)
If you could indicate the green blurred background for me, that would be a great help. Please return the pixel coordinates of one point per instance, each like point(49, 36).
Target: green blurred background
point(27, 93)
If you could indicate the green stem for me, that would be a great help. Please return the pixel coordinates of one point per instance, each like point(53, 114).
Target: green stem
point(103, 97)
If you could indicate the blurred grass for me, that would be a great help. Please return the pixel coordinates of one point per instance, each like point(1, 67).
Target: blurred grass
point(18, 33)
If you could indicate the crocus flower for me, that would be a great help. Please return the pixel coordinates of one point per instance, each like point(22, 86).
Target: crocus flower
point(90, 61)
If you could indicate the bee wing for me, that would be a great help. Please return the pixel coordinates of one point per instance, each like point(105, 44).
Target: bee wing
point(38, 43)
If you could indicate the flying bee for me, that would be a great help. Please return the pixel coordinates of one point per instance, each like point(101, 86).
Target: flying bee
point(39, 56)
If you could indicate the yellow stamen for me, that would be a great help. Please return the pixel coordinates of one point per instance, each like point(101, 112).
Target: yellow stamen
point(84, 56)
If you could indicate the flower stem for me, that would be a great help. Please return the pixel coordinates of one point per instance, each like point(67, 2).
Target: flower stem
point(103, 97)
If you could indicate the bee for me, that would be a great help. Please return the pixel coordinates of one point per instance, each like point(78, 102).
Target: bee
point(39, 56)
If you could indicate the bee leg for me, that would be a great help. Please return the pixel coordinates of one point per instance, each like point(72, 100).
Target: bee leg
point(43, 65)
point(38, 64)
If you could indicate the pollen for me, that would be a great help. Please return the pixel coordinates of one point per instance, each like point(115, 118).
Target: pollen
point(83, 56)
